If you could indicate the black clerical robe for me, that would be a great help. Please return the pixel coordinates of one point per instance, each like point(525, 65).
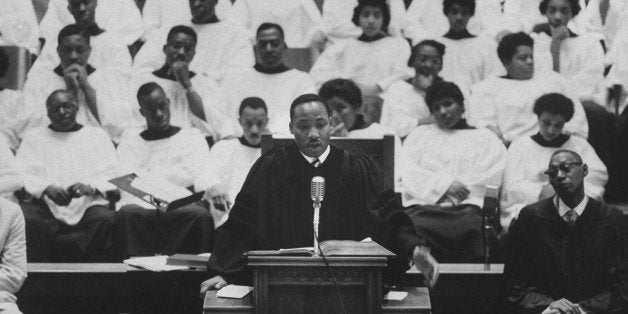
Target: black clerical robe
point(274, 210)
point(550, 260)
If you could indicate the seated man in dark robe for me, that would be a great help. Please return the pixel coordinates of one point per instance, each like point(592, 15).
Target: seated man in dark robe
point(568, 251)
point(162, 152)
point(274, 210)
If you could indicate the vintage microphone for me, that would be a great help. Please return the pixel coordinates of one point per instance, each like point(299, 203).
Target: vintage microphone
point(317, 192)
point(489, 210)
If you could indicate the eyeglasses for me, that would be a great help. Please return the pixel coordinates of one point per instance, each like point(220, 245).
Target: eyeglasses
point(565, 167)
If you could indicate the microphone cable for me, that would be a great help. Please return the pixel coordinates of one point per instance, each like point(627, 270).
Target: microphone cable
point(331, 275)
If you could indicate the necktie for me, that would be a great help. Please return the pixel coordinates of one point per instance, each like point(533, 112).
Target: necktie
point(570, 217)
point(316, 163)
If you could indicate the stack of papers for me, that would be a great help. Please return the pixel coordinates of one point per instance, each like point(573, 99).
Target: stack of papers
point(153, 263)
point(234, 291)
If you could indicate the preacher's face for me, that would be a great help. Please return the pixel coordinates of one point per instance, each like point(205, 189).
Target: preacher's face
point(269, 48)
point(155, 107)
point(180, 47)
point(521, 65)
point(62, 109)
point(83, 11)
point(558, 12)
point(202, 9)
point(254, 122)
point(311, 128)
point(458, 16)
point(428, 61)
point(566, 173)
point(74, 49)
point(551, 125)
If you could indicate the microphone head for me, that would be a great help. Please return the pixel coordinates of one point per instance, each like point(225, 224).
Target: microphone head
point(317, 189)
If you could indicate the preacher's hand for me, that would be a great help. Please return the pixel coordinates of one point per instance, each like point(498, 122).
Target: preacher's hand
point(565, 306)
point(58, 195)
point(214, 283)
point(426, 264)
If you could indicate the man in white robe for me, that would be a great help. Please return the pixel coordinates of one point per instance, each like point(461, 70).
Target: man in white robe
point(270, 79)
point(109, 49)
point(525, 181)
point(101, 93)
point(577, 57)
point(196, 100)
point(66, 168)
point(348, 118)
point(169, 153)
point(404, 101)
point(19, 25)
point(12, 255)
point(231, 160)
point(222, 46)
point(447, 167)
point(300, 19)
point(504, 104)
point(469, 58)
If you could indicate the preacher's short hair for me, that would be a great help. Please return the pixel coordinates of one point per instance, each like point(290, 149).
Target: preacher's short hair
point(381, 4)
point(447, 4)
point(343, 89)
point(253, 103)
point(182, 29)
point(440, 48)
point(54, 94)
point(70, 30)
point(571, 152)
point(554, 103)
point(443, 89)
point(507, 47)
point(307, 98)
point(575, 6)
point(146, 90)
point(4, 62)
point(267, 25)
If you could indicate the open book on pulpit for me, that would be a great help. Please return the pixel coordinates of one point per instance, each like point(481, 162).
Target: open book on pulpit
point(159, 193)
point(331, 248)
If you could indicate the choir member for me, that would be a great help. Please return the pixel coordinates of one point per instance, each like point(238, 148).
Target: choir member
point(19, 25)
point(11, 101)
point(12, 255)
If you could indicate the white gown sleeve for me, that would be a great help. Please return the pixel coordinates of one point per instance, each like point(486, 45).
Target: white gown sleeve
point(591, 69)
point(330, 64)
point(337, 16)
point(13, 253)
point(595, 181)
point(400, 68)
point(10, 176)
point(482, 111)
point(30, 158)
point(107, 166)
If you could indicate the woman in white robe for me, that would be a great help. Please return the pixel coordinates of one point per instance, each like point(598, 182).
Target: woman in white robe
point(373, 61)
point(525, 181)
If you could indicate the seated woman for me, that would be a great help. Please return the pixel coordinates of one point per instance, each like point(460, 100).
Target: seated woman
point(349, 118)
point(404, 101)
point(525, 181)
point(447, 166)
point(374, 60)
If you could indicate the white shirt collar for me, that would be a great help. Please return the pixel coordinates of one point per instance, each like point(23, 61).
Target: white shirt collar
point(563, 208)
point(321, 158)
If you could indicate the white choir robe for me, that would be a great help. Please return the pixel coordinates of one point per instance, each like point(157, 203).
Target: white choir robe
point(435, 157)
point(337, 15)
point(161, 15)
point(506, 105)
point(107, 53)
point(617, 57)
point(221, 47)
point(64, 158)
point(524, 12)
point(181, 159)
point(300, 19)
point(120, 17)
point(469, 61)
point(230, 162)
point(425, 19)
point(581, 61)
point(13, 266)
point(524, 177)
point(380, 62)
point(404, 108)
point(114, 109)
point(377, 131)
point(10, 173)
point(19, 25)
point(216, 123)
point(589, 20)
point(11, 104)
point(277, 90)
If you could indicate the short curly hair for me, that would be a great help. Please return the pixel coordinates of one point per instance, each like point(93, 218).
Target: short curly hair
point(447, 4)
point(440, 48)
point(344, 89)
point(575, 6)
point(507, 47)
point(554, 103)
point(372, 3)
point(443, 89)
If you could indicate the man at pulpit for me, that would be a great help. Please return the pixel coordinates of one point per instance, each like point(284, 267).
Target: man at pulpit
point(274, 209)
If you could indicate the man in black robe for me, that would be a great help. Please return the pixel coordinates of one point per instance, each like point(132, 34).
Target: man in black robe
point(274, 209)
point(568, 250)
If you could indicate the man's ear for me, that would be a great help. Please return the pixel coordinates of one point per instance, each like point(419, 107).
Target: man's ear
point(142, 112)
point(585, 170)
point(290, 126)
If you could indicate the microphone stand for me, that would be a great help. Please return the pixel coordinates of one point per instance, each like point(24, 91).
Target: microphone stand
point(317, 209)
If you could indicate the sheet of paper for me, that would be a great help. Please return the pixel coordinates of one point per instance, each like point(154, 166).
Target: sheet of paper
point(234, 291)
point(160, 188)
point(153, 263)
point(395, 295)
